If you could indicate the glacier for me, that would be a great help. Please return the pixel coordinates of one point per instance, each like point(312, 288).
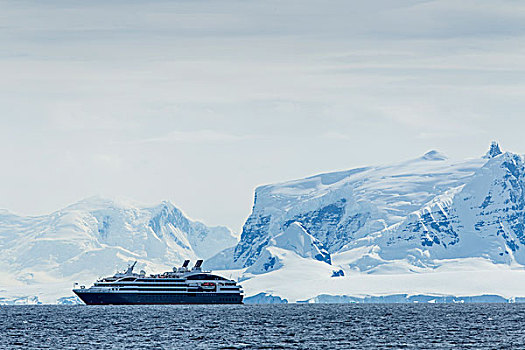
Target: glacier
point(426, 226)
point(41, 257)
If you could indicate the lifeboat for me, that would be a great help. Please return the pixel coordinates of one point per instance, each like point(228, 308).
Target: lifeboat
point(208, 285)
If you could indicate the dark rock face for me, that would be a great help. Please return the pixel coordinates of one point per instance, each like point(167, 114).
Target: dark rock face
point(324, 256)
point(338, 273)
point(494, 151)
point(103, 228)
point(329, 224)
point(254, 238)
point(504, 205)
point(433, 227)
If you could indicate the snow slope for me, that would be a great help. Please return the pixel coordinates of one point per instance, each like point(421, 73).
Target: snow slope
point(42, 256)
point(294, 238)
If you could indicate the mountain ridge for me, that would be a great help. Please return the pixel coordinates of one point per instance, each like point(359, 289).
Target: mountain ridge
point(96, 236)
point(428, 215)
point(356, 202)
point(426, 226)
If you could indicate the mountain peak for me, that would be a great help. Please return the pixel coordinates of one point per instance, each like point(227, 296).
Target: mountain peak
point(166, 204)
point(434, 155)
point(493, 151)
point(92, 203)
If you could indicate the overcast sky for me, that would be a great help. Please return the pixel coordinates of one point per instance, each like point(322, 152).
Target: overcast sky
point(198, 102)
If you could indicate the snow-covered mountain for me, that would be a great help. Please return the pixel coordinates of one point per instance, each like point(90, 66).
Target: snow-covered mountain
point(429, 228)
point(42, 256)
point(425, 215)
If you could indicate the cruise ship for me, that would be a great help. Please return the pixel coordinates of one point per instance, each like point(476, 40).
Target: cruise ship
point(180, 286)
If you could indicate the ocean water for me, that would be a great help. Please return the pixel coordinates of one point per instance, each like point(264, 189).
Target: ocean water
point(293, 326)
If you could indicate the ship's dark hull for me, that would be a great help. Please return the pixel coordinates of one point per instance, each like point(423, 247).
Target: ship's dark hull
point(91, 298)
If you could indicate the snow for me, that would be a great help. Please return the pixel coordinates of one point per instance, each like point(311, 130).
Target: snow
point(428, 226)
point(297, 239)
point(429, 229)
point(434, 156)
point(42, 256)
point(339, 207)
point(303, 279)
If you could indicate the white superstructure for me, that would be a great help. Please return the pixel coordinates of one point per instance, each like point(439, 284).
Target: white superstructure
point(182, 285)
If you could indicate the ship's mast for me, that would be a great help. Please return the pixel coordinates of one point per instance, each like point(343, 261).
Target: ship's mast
point(129, 271)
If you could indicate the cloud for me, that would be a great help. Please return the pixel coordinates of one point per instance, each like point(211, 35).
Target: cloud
point(334, 135)
point(197, 136)
point(267, 90)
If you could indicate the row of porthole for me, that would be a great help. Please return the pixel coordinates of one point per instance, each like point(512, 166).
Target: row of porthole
point(227, 299)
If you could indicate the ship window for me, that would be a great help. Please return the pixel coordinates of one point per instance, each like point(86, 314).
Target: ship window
point(127, 279)
point(203, 276)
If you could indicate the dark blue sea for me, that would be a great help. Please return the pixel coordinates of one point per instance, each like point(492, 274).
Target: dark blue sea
point(293, 326)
